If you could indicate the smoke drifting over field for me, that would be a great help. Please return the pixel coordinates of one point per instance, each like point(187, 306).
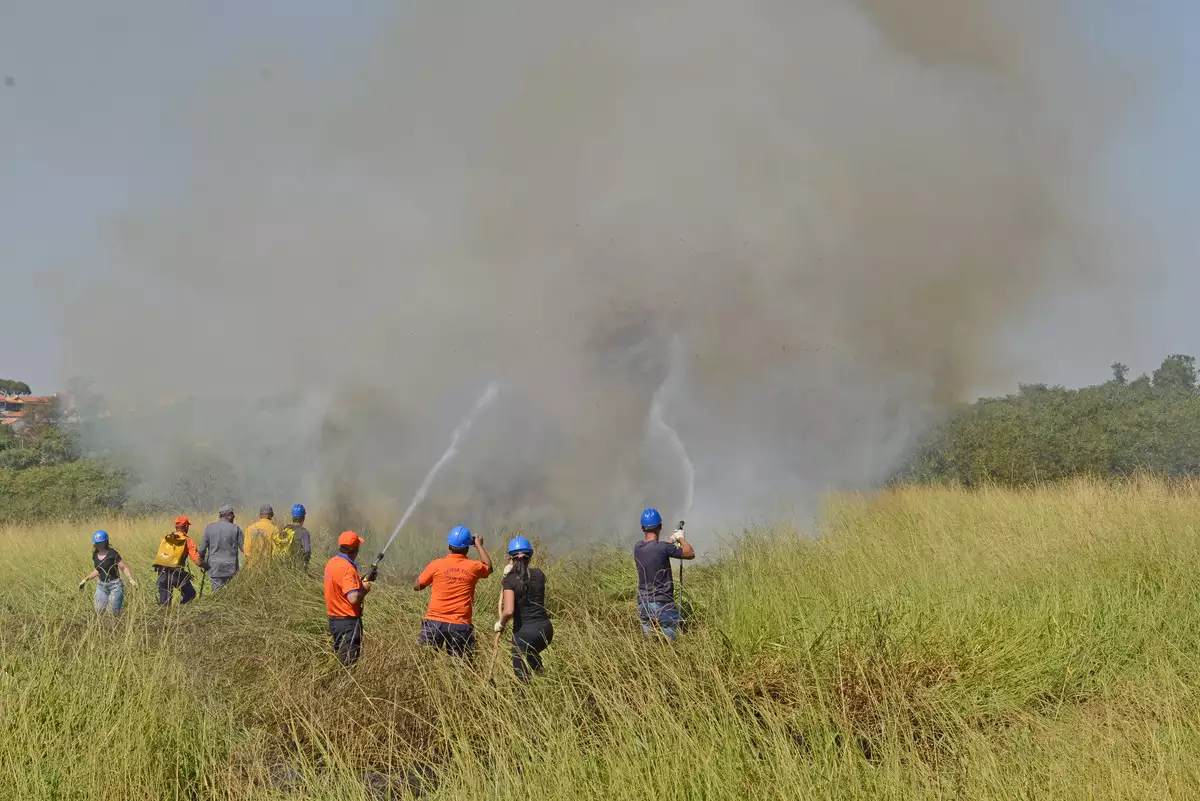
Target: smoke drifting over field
point(838, 207)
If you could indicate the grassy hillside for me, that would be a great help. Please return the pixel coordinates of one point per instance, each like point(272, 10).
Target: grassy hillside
point(930, 643)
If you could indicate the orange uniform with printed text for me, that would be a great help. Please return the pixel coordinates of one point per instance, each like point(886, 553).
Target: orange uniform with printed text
point(453, 578)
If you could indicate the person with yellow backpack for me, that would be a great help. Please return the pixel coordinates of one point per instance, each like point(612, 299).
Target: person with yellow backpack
point(260, 536)
point(293, 541)
point(171, 564)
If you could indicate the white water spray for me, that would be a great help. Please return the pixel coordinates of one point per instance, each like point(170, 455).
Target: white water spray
point(658, 421)
point(463, 426)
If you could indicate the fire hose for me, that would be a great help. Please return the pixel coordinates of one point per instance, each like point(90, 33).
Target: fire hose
point(679, 605)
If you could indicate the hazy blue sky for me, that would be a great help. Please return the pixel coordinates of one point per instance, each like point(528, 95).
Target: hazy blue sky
point(86, 90)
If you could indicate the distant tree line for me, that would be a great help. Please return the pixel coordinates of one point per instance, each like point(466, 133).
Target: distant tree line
point(10, 387)
point(1039, 434)
point(1049, 433)
point(41, 472)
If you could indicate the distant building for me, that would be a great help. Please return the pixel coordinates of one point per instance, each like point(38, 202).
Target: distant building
point(14, 408)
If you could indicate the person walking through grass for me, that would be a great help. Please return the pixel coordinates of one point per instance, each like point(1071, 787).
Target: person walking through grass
point(171, 564)
point(107, 565)
point(345, 591)
point(220, 546)
point(260, 535)
point(447, 624)
point(523, 600)
point(657, 611)
point(293, 542)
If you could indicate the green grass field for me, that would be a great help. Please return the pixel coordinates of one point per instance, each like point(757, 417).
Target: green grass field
point(927, 644)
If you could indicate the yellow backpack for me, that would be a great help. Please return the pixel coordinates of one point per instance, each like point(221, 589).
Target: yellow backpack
point(171, 551)
point(284, 541)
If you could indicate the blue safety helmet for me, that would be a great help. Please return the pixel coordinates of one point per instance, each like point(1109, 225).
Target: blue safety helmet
point(651, 518)
point(99, 537)
point(298, 511)
point(460, 537)
point(519, 546)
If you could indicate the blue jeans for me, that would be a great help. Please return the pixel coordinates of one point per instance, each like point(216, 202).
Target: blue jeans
point(659, 618)
point(110, 595)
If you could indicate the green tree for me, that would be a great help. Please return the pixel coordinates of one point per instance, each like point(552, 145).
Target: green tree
point(1177, 372)
point(71, 490)
point(1051, 433)
point(10, 387)
point(42, 440)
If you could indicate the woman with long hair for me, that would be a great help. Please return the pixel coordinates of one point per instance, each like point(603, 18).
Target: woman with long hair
point(523, 602)
point(106, 562)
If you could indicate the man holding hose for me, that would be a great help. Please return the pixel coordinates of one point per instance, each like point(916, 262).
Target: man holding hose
point(344, 594)
point(657, 611)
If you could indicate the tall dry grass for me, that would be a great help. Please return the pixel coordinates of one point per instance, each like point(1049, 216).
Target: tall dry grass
point(928, 643)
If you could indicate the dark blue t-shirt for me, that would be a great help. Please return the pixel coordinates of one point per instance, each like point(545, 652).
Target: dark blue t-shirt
point(656, 585)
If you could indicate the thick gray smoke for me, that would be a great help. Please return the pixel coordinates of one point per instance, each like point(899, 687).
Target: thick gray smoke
point(838, 208)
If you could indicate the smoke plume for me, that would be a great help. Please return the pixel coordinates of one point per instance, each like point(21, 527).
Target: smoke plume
point(837, 207)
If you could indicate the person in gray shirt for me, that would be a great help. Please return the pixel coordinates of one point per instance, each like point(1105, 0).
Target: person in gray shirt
point(222, 542)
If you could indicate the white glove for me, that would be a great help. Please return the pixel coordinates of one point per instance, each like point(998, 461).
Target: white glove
point(82, 583)
point(677, 536)
point(499, 627)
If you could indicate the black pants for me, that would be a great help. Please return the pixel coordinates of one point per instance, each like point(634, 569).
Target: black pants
point(456, 639)
point(528, 643)
point(347, 638)
point(171, 578)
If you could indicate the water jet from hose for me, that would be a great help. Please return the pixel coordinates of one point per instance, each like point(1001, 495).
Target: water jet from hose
point(464, 425)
